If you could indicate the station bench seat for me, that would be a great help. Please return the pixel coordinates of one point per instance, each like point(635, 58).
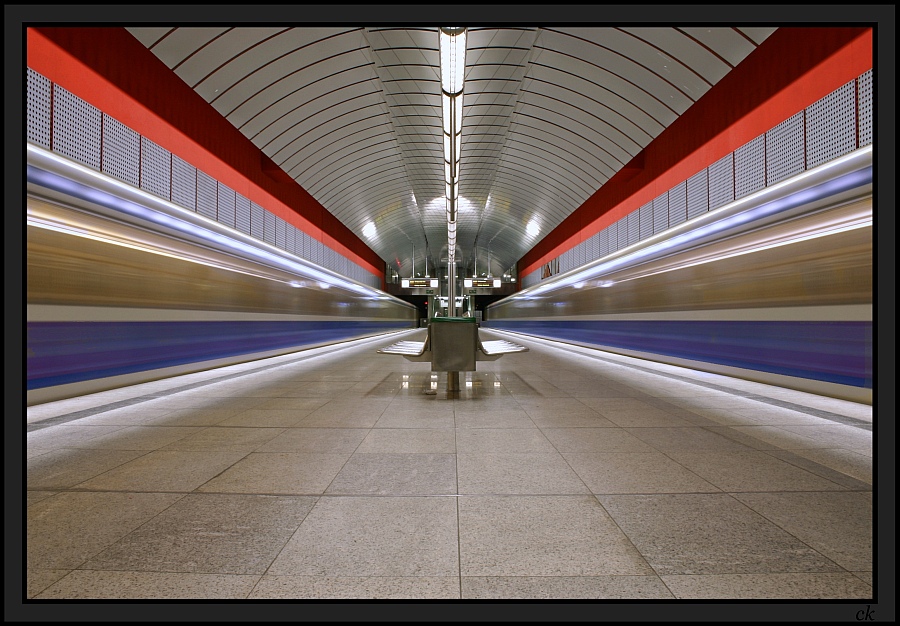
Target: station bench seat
point(452, 345)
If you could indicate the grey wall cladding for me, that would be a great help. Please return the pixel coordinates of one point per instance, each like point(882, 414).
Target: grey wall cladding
point(750, 167)
point(242, 213)
point(721, 182)
point(864, 104)
point(77, 128)
point(697, 194)
point(226, 203)
point(184, 183)
point(269, 227)
point(207, 195)
point(38, 123)
point(785, 149)
point(647, 214)
point(257, 221)
point(121, 152)
point(831, 126)
point(156, 168)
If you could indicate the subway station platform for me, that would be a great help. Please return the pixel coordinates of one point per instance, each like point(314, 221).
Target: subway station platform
point(561, 473)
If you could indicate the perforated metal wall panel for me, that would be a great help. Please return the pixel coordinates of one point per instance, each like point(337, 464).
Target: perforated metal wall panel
point(721, 182)
point(302, 244)
point(242, 213)
point(603, 246)
point(831, 126)
point(622, 233)
point(280, 233)
point(290, 238)
point(660, 215)
point(184, 183)
point(207, 192)
point(634, 227)
point(269, 227)
point(77, 128)
point(613, 231)
point(156, 169)
point(257, 221)
point(750, 167)
point(226, 205)
point(697, 194)
point(864, 103)
point(121, 151)
point(785, 149)
point(647, 214)
point(39, 114)
point(595, 247)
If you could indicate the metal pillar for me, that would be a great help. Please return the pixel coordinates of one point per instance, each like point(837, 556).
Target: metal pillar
point(451, 289)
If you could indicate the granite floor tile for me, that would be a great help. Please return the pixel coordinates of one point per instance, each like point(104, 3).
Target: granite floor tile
point(617, 472)
point(564, 588)
point(36, 580)
point(68, 529)
point(140, 437)
point(517, 473)
point(265, 418)
point(409, 440)
point(396, 474)
point(838, 525)
point(381, 536)
point(209, 534)
point(542, 536)
point(690, 439)
point(595, 440)
point(850, 463)
point(66, 467)
point(278, 473)
point(320, 440)
point(357, 588)
point(232, 438)
point(824, 586)
point(502, 440)
point(116, 585)
point(751, 471)
point(165, 470)
point(709, 534)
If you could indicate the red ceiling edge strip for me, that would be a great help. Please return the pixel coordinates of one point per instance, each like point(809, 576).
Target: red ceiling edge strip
point(791, 70)
point(113, 71)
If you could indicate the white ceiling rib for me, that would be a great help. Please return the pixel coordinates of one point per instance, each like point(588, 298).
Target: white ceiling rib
point(354, 116)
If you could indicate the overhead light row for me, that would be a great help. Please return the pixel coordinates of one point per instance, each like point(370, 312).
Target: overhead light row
point(453, 66)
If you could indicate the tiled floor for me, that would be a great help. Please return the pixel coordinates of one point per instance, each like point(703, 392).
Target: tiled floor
point(553, 475)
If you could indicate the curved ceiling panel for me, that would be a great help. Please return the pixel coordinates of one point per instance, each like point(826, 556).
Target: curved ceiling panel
point(354, 116)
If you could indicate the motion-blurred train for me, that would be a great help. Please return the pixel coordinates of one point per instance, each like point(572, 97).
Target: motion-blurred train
point(775, 287)
point(123, 288)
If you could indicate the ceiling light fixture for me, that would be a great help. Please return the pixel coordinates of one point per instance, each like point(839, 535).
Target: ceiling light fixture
point(452, 42)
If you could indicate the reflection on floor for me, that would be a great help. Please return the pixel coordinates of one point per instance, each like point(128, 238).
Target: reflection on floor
point(553, 474)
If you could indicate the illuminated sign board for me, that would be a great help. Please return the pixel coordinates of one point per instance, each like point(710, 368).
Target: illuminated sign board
point(482, 283)
point(418, 283)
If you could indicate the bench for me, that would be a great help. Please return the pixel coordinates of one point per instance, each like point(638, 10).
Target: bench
point(452, 345)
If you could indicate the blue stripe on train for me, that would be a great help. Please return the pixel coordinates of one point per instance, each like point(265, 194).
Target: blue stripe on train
point(836, 352)
point(68, 352)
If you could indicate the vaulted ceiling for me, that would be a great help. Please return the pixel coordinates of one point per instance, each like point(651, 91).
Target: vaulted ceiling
point(354, 116)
